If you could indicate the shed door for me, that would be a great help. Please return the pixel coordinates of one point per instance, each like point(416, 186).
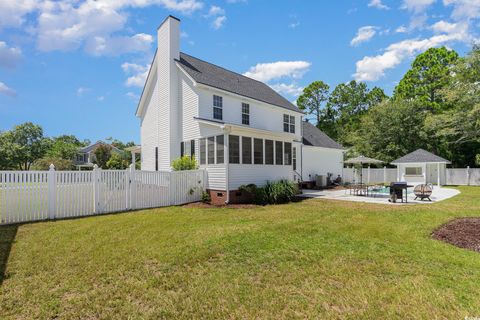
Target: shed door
point(432, 173)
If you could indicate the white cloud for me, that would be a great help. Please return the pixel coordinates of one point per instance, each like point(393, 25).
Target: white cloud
point(288, 89)
point(119, 45)
point(445, 27)
point(138, 74)
point(293, 25)
point(215, 11)
point(464, 9)
point(9, 56)
point(93, 25)
point(219, 22)
point(12, 13)
point(417, 6)
point(378, 4)
point(5, 90)
point(372, 68)
point(401, 29)
point(276, 70)
point(132, 96)
point(82, 90)
point(363, 34)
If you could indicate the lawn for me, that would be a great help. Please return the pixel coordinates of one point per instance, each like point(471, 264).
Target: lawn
point(313, 259)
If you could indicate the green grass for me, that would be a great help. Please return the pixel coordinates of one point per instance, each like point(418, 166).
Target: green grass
point(314, 259)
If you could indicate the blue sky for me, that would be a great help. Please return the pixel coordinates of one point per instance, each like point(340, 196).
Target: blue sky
point(78, 67)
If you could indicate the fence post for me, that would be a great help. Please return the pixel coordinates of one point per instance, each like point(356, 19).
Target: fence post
point(96, 189)
point(384, 175)
point(368, 175)
point(468, 175)
point(131, 187)
point(52, 192)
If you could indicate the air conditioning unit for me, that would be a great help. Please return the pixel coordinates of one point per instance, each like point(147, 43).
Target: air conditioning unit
point(321, 180)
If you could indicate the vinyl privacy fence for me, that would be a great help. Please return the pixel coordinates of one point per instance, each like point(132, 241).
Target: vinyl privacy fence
point(370, 175)
point(463, 176)
point(41, 195)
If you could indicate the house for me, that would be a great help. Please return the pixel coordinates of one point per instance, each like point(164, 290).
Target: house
point(321, 155)
point(239, 129)
point(420, 167)
point(85, 157)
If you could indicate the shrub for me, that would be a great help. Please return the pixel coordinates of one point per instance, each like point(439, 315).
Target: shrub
point(276, 192)
point(206, 197)
point(185, 163)
point(60, 164)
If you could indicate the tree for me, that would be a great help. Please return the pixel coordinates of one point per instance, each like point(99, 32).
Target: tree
point(119, 144)
point(313, 98)
point(458, 127)
point(349, 102)
point(64, 147)
point(22, 145)
point(185, 163)
point(102, 154)
point(430, 72)
point(390, 129)
point(119, 160)
point(59, 163)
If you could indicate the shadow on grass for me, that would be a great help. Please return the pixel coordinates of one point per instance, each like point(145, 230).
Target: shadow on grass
point(7, 236)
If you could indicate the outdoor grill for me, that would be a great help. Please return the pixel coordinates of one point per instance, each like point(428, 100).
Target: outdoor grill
point(396, 188)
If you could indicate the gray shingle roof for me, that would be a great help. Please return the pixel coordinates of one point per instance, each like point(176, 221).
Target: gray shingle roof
point(419, 156)
point(312, 136)
point(91, 147)
point(220, 78)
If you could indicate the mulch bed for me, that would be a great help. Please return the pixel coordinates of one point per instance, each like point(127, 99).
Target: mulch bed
point(461, 232)
point(230, 206)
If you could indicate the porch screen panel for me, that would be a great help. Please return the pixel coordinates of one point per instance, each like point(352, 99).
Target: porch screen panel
point(278, 152)
point(268, 151)
point(258, 151)
point(234, 149)
point(288, 154)
point(246, 150)
point(211, 150)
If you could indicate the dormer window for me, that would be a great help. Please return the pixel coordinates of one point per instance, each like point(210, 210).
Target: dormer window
point(245, 114)
point(288, 123)
point(217, 107)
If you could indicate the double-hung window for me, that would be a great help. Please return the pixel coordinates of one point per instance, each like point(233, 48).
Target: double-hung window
point(294, 158)
point(217, 107)
point(288, 123)
point(246, 150)
point(245, 113)
point(234, 149)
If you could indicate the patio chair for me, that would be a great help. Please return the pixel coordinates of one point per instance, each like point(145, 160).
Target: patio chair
point(423, 191)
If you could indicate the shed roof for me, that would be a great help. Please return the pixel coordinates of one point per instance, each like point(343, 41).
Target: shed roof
point(420, 156)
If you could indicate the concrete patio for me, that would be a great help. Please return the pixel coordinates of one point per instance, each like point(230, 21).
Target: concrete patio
point(438, 194)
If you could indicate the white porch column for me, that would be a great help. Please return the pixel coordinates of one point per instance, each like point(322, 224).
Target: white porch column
point(438, 174)
point(425, 173)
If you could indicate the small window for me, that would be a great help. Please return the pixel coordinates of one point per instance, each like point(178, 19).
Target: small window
point(246, 150)
point(413, 171)
point(203, 151)
point(245, 113)
point(211, 150)
point(258, 151)
point(220, 149)
point(292, 124)
point(286, 123)
point(217, 107)
point(288, 154)
point(278, 152)
point(268, 151)
point(234, 149)
point(294, 158)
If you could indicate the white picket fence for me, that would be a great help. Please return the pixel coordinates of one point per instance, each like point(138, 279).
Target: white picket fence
point(42, 195)
point(370, 175)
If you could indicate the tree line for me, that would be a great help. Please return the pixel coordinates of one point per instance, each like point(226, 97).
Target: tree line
point(25, 147)
point(435, 106)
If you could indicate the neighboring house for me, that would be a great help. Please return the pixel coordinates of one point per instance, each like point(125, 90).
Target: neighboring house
point(85, 157)
point(421, 166)
point(321, 155)
point(239, 129)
